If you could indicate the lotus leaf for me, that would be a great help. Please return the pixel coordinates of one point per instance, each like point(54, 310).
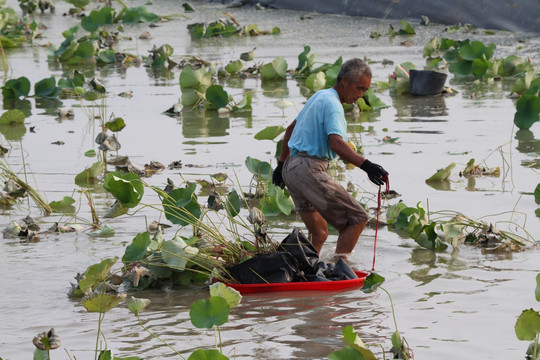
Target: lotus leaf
point(107, 56)
point(261, 169)
point(537, 194)
point(244, 105)
point(116, 210)
point(233, 204)
point(137, 250)
point(217, 96)
point(248, 56)
point(138, 14)
point(537, 291)
point(12, 117)
point(231, 295)
point(209, 313)
point(181, 206)
point(372, 281)
point(16, 88)
point(277, 69)
point(176, 253)
point(78, 3)
point(90, 174)
point(527, 111)
point(461, 68)
point(305, 61)
point(136, 305)
point(270, 132)
point(64, 206)
point(47, 87)
point(316, 81)
point(350, 353)
point(234, 66)
point(191, 97)
point(96, 273)
point(126, 188)
point(104, 231)
point(207, 354)
point(472, 50)
point(98, 18)
point(101, 303)
point(528, 325)
point(116, 124)
point(443, 174)
point(350, 337)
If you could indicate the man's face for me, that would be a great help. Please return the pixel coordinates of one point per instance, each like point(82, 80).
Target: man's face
point(353, 91)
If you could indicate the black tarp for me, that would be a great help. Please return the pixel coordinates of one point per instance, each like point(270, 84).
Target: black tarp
point(296, 260)
point(512, 15)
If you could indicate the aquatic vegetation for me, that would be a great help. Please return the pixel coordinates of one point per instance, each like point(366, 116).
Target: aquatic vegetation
point(528, 104)
point(405, 29)
point(30, 6)
point(15, 30)
point(400, 79)
point(473, 58)
point(227, 27)
point(453, 228)
point(527, 327)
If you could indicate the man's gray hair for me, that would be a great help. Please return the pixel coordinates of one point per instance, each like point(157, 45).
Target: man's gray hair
point(354, 69)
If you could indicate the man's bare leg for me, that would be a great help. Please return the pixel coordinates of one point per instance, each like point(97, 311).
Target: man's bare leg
point(317, 227)
point(348, 238)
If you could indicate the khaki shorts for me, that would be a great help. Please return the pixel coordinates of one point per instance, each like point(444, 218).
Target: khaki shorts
point(311, 189)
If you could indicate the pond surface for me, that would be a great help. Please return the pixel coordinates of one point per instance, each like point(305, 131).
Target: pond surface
point(463, 302)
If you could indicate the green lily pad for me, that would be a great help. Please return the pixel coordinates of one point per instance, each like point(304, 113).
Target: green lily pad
point(176, 253)
point(528, 325)
point(372, 282)
point(12, 117)
point(207, 354)
point(217, 96)
point(126, 188)
point(259, 168)
point(443, 174)
point(90, 174)
point(316, 81)
point(277, 69)
point(116, 124)
point(537, 291)
point(96, 273)
point(136, 305)
point(137, 249)
point(270, 132)
point(64, 206)
point(233, 203)
point(527, 111)
point(181, 206)
point(138, 14)
point(209, 313)
point(101, 303)
point(234, 66)
point(231, 295)
point(98, 18)
point(16, 88)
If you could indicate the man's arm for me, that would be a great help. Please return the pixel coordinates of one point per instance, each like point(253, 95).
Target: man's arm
point(375, 172)
point(285, 144)
point(340, 147)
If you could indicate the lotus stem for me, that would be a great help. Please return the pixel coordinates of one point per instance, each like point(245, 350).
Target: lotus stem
point(157, 337)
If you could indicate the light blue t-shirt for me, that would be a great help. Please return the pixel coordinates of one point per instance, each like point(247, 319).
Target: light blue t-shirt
point(322, 115)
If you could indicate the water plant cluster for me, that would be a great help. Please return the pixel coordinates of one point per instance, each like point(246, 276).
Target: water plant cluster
point(200, 250)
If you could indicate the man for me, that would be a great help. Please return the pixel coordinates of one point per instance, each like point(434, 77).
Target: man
point(318, 135)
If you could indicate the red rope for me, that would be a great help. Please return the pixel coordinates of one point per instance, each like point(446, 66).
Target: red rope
point(377, 223)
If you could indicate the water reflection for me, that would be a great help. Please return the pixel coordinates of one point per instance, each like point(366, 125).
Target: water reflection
point(50, 106)
point(428, 260)
point(200, 123)
point(414, 108)
point(13, 132)
point(13, 103)
point(275, 88)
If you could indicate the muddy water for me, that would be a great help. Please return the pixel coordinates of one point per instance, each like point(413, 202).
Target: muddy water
point(462, 302)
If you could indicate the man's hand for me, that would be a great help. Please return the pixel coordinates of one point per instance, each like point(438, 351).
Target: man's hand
point(277, 178)
point(375, 172)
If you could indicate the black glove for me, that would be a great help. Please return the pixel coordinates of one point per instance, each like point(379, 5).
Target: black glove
point(375, 172)
point(277, 178)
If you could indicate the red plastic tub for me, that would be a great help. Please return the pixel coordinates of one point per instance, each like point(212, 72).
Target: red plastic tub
point(298, 286)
